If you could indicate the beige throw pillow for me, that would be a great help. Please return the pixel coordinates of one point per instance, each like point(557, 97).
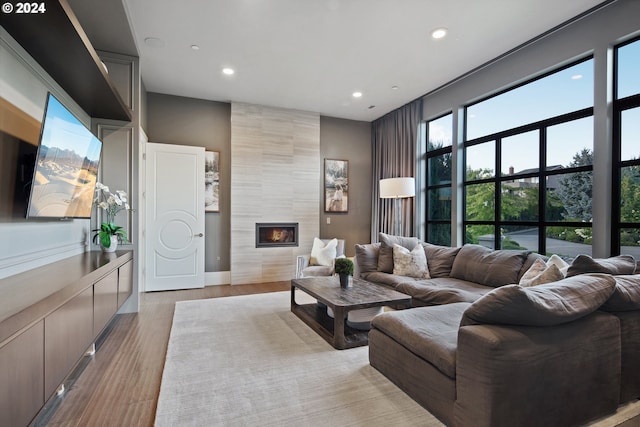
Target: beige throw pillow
point(410, 263)
point(562, 265)
point(323, 254)
point(540, 273)
point(385, 255)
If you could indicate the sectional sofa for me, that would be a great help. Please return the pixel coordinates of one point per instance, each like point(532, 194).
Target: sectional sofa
point(479, 349)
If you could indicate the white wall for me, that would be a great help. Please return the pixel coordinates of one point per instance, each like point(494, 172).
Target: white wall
point(275, 177)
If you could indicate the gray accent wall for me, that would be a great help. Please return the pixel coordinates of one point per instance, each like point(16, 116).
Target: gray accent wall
point(348, 140)
point(196, 122)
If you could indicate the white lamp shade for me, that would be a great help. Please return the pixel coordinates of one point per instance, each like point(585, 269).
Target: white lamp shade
point(396, 188)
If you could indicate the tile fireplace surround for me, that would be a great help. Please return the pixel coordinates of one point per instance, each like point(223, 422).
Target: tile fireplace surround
point(275, 177)
point(269, 234)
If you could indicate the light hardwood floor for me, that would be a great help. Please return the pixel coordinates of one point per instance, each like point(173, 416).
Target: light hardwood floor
point(121, 382)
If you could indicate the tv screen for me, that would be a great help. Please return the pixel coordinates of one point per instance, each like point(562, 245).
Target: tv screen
point(65, 173)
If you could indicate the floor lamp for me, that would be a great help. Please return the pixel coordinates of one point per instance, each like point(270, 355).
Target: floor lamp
point(397, 188)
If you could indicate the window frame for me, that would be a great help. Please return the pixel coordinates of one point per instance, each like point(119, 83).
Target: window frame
point(542, 173)
point(448, 149)
point(620, 105)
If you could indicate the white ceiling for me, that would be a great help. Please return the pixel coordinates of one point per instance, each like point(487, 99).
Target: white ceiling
point(313, 54)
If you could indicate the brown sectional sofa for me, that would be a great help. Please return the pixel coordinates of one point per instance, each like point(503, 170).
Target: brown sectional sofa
point(479, 350)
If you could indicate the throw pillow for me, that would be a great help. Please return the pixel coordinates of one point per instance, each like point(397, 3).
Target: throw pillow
point(385, 256)
point(545, 305)
point(410, 263)
point(540, 273)
point(367, 257)
point(323, 254)
point(626, 296)
point(562, 265)
point(439, 259)
point(475, 263)
point(621, 264)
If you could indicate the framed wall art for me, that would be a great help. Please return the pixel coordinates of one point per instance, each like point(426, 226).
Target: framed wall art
point(212, 181)
point(336, 185)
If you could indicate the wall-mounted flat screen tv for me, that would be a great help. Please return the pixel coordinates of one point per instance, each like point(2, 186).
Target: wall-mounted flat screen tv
point(66, 168)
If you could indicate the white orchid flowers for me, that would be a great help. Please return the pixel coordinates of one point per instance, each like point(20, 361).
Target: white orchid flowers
point(112, 203)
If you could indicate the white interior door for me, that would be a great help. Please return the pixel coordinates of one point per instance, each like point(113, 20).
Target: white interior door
point(174, 217)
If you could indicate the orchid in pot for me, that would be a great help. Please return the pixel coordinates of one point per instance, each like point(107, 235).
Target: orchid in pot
point(109, 234)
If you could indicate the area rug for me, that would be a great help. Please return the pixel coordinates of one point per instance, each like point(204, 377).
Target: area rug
point(247, 361)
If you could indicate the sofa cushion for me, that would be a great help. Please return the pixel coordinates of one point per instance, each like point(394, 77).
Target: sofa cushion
point(367, 257)
point(323, 253)
point(544, 305)
point(410, 263)
point(540, 273)
point(476, 263)
point(626, 295)
point(621, 264)
point(431, 333)
point(387, 279)
point(317, 270)
point(385, 255)
point(442, 290)
point(439, 259)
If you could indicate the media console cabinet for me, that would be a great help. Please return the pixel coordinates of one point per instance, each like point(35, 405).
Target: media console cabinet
point(49, 317)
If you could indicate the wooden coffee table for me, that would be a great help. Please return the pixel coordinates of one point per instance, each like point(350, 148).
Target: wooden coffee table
point(327, 290)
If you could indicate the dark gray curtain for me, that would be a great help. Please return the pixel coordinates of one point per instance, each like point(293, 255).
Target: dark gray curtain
point(395, 142)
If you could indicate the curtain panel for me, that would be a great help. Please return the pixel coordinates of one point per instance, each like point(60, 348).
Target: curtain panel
point(395, 144)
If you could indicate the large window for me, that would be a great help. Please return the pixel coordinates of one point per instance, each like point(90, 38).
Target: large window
point(569, 89)
point(626, 136)
point(438, 160)
point(528, 160)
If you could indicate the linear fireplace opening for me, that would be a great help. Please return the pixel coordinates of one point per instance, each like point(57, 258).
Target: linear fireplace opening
point(274, 234)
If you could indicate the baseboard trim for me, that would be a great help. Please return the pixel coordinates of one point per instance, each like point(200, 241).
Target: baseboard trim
point(215, 278)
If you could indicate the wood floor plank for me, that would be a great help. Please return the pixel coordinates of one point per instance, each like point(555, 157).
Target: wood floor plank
point(121, 382)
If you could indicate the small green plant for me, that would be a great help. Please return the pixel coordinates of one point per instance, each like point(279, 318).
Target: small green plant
point(344, 266)
point(104, 233)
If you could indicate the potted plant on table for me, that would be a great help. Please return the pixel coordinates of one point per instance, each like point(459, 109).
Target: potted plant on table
point(344, 269)
point(109, 234)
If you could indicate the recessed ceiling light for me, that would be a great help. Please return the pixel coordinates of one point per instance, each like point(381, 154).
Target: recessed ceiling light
point(357, 94)
point(439, 33)
point(154, 42)
point(228, 71)
point(394, 87)
point(576, 77)
point(195, 47)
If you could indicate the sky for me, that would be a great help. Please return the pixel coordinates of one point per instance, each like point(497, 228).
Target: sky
point(63, 130)
point(568, 90)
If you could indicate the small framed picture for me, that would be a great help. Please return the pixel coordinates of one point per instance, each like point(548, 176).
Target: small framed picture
point(212, 181)
point(336, 185)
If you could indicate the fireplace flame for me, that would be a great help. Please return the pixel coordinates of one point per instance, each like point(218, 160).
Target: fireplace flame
point(276, 235)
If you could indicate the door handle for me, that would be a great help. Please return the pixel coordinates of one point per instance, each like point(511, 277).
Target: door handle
point(198, 235)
